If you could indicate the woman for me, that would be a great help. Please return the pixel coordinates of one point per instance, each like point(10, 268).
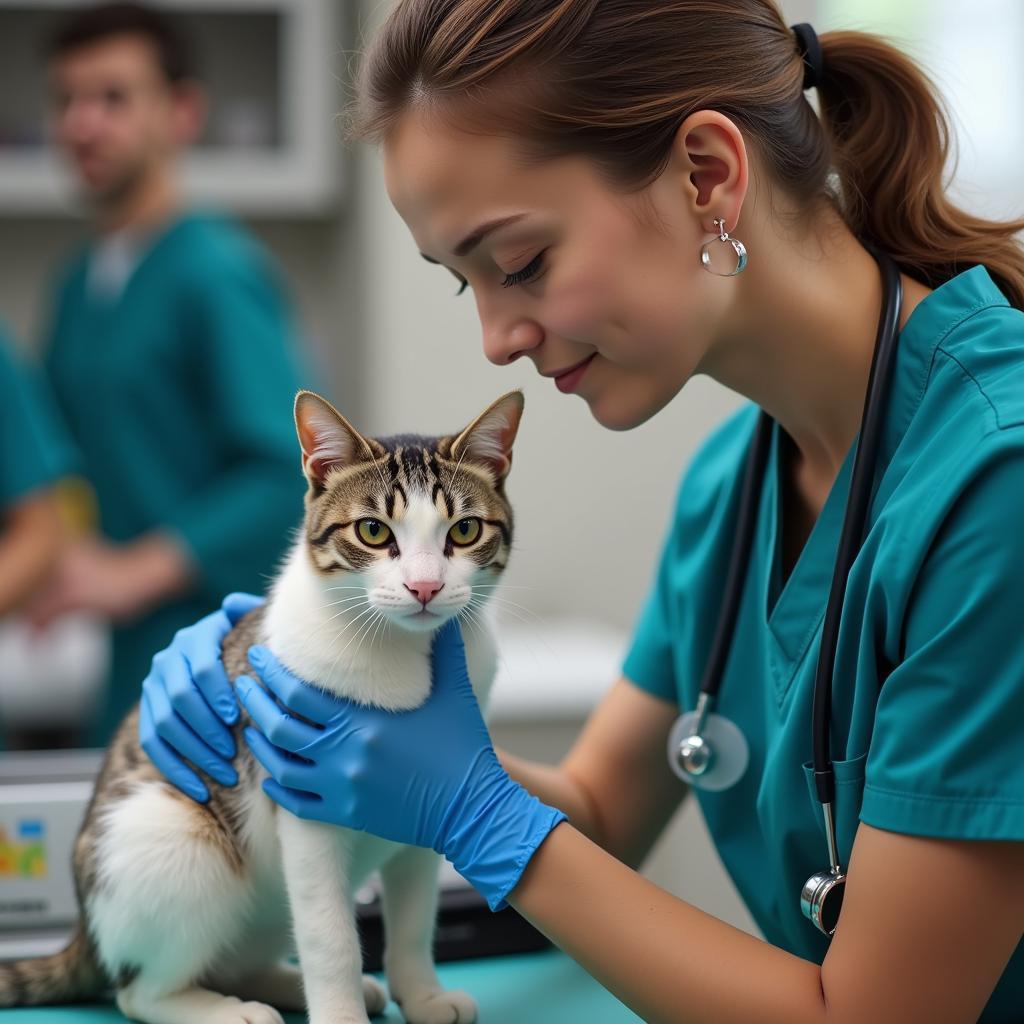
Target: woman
point(612, 142)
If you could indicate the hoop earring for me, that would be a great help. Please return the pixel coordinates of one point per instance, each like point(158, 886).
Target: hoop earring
point(723, 236)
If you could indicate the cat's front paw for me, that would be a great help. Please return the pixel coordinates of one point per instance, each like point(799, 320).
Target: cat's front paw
point(435, 1006)
point(234, 1011)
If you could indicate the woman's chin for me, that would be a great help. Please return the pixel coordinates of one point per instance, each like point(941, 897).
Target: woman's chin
point(615, 414)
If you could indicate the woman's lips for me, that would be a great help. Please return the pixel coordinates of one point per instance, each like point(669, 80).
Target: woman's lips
point(567, 382)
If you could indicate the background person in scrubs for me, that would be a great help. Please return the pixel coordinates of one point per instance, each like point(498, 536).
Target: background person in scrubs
point(34, 455)
point(568, 162)
point(172, 351)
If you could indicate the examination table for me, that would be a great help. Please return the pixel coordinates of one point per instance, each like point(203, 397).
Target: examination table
point(545, 987)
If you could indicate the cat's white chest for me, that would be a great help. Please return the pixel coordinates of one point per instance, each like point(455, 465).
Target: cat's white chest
point(394, 672)
point(398, 677)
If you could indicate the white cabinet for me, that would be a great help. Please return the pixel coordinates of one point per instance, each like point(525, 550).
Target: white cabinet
point(272, 144)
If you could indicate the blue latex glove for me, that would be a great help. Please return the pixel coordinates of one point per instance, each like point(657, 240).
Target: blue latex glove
point(426, 777)
point(185, 686)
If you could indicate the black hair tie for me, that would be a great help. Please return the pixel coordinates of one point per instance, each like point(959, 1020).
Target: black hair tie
point(809, 48)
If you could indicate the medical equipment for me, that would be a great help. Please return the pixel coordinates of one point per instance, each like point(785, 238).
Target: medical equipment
point(706, 749)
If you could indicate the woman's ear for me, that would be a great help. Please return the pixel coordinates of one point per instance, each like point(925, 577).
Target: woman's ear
point(327, 439)
point(488, 439)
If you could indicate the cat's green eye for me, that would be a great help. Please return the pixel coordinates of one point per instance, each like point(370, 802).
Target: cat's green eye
point(465, 531)
point(373, 532)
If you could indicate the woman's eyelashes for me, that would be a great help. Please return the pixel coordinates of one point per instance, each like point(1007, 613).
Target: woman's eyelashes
point(527, 273)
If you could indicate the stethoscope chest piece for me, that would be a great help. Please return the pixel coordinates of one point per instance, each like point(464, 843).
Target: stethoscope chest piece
point(821, 899)
point(711, 756)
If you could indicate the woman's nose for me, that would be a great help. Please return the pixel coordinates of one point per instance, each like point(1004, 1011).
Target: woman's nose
point(504, 344)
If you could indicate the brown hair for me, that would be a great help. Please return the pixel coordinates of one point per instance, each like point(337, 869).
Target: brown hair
point(83, 27)
point(612, 80)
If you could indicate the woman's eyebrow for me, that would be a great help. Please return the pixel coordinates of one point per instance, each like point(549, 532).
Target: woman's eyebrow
point(475, 237)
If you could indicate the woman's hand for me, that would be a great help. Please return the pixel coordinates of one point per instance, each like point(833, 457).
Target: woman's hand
point(425, 777)
point(185, 686)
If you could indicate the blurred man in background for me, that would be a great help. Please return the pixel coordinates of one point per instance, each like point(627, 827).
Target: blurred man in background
point(172, 352)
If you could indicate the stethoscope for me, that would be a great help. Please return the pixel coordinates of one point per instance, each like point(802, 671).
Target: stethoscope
point(709, 751)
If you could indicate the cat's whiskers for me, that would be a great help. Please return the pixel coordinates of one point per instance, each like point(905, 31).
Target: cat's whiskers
point(451, 485)
point(508, 586)
point(344, 600)
point(382, 625)
point(375, 621)
point(373, 618)
point(316, 627)
point(383, 482)
point(351, 622)
point(535, 636)
point(474, 608)
point(512, 606)
point(363, 630)
point(474, 620)
point(515, 615)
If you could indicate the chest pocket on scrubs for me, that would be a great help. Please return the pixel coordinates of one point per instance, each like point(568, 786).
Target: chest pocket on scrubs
point(849, 779)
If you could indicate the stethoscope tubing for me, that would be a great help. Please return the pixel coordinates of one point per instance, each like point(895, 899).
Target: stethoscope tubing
point(750, 496)
point(821, 897)
point(883, 363)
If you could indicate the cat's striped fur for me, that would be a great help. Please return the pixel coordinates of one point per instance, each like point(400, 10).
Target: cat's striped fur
point(187, 909)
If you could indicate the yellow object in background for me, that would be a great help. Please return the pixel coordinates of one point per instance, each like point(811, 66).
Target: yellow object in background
point(76, 505)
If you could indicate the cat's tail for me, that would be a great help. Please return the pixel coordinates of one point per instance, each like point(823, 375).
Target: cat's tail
point(72, 975)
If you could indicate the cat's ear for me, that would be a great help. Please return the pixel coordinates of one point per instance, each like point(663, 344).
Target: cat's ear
point(488, 439)
point(327, 439)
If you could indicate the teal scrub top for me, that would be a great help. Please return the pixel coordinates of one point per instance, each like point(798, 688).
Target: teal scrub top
point(34, 446)
point(928, 691)
point(179, 392)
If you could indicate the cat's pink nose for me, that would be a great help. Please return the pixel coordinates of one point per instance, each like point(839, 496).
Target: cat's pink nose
point(425, 590)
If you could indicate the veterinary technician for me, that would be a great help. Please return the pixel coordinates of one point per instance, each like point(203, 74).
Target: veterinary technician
point(34, 454)
point(172, 351)
point(637, 192)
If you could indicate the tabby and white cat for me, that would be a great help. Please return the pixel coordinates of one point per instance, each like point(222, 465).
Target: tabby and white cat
point(187, 909)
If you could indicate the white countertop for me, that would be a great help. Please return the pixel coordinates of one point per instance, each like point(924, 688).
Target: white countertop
point(554, 668)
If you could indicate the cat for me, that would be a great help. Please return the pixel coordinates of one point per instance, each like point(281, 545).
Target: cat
point(187, 909)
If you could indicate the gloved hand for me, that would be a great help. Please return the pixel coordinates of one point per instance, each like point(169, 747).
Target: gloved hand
point(185, 685)
point(425, 777)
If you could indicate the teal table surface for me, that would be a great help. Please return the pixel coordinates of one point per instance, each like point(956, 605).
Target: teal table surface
point(542, 988)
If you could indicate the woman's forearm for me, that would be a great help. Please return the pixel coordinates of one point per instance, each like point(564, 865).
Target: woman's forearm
point(552, 786)
point(665, 959)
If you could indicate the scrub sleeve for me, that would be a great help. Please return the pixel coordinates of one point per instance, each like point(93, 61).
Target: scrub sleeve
point(947, 751)
point(34, 448)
